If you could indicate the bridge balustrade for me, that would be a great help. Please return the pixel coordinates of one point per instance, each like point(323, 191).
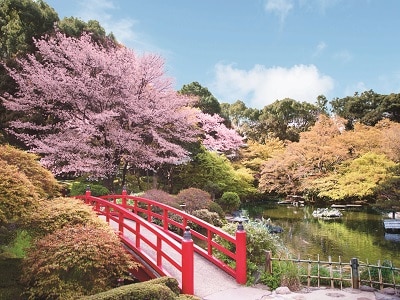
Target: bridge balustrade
point(159, 219)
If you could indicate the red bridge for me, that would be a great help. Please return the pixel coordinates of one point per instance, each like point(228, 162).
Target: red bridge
point(144, 227)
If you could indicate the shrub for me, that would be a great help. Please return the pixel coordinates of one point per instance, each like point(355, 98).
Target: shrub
point(42, 180)
point(284, 274)
point(258, 240)
point(162, 197)
point(163, 288)
point(210, 217)
point(59, 212)
point(229, 201)
point(17, 194)
point(215, 207)
point(74, 261)
point(194, 199)
point(79, 188)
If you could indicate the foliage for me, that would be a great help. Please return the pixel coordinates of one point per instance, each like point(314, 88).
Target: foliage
point(194, 199)
point(162, 197)
point(367, 108)
point(79, 188)
point(18, 195)
point(283, 274)
point(214, 173)
point(163, 288)
point(210, 217)
point(215, 207)
point(358, 178)
point(22, 20)
point(17, 247)
point(57, 213)
point(72, 26)
point(258, 240)
point(205, 101)
point(229, 201)
point(10, 285)
point(27, 163)
point(74, 261)
point(101, 110)
point(372, 273)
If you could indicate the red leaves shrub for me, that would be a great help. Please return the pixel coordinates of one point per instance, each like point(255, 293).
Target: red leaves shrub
point(194, 199)
point(162, 197)
point(75, 261)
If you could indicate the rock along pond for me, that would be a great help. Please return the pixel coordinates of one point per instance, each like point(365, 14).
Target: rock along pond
point(358, 233)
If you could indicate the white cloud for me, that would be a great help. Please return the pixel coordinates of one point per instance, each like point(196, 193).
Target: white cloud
point(279, 7)
point(343, 56)
point(358, 87)
point(320, 48)
point(261, 86)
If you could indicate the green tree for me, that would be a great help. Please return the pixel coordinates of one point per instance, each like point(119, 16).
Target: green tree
point(285, 119)
point(214, 173)
point(206, 102)
point(367, 108)
point(20, 22)
point(74, 27)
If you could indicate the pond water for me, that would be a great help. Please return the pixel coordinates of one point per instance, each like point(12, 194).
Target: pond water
point(358, 233)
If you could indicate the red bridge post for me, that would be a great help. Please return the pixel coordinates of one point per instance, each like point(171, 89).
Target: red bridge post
point(124, 193)
point(88, 193)
point(187, 263)
point(241, 268)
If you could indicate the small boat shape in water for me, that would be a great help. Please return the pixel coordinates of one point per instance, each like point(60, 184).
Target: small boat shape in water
point(327, 213)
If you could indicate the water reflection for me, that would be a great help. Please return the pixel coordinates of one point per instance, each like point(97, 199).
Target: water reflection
point(359, 233)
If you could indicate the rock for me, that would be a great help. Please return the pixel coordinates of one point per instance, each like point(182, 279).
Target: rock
point(389, 291)
point(283, 290)
point(367, 288)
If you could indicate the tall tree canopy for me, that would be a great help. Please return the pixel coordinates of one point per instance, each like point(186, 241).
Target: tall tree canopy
point(90, 109)
point(204, 99)
point(367, 108)
point(22, 20)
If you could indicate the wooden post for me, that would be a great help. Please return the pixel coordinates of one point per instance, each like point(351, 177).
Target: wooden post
point(241, 256)
point(354, 273)
point(124, 193)
point(268, 261)
point(187, 263)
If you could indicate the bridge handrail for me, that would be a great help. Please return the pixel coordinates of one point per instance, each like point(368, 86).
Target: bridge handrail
point(117, 213)
point(239, 240)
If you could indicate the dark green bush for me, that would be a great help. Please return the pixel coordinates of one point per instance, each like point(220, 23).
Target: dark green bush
point(229, 202)
point(205, 215)
point(79, 188)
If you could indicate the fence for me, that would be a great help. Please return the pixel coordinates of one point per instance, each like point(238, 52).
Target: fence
point(340, 274)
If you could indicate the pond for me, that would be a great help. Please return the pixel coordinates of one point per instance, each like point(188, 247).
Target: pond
point(358, 233)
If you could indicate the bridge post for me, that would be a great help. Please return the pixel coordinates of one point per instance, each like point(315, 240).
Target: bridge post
point(241, 264)
point(88, 193)
point(124, 193)
point(187, 263)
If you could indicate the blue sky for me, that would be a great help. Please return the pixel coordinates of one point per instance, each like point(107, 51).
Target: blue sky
point(259, 51)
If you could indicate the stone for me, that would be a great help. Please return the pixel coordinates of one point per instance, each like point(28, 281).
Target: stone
point(283, 290)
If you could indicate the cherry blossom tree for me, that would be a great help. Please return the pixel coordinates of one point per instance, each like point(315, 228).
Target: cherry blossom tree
point(89, 109)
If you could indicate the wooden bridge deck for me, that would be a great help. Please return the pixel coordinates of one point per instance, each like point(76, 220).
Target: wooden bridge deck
point(208, 278)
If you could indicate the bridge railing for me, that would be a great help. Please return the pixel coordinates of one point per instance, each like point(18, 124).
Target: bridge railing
point(169, 217)
point(138, 234)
